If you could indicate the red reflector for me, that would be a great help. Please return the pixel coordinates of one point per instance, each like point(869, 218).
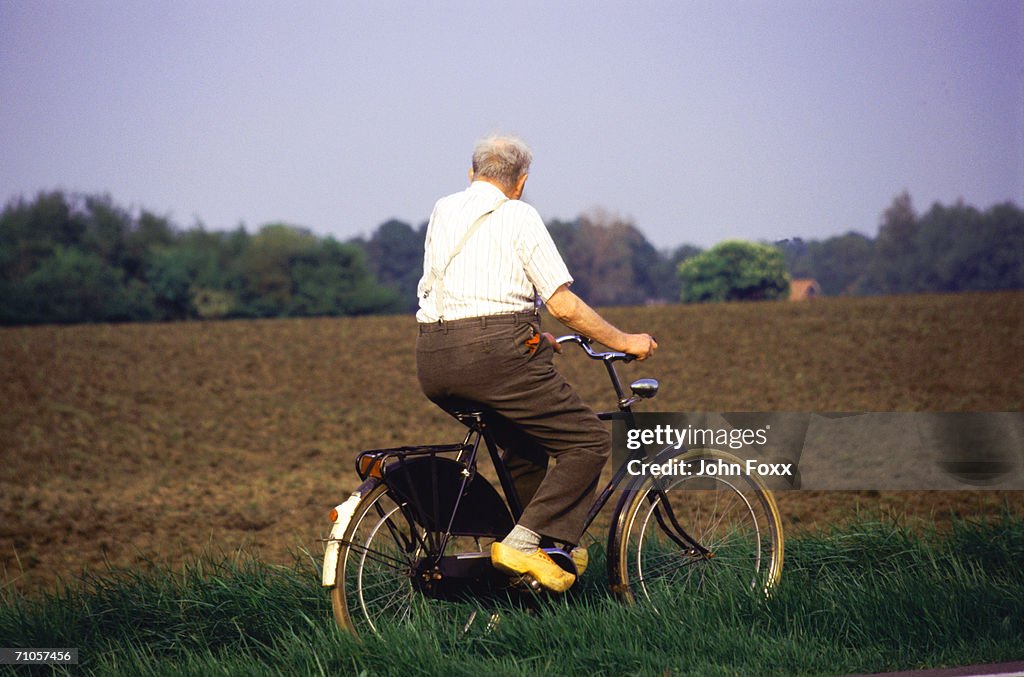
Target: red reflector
point(369, 465)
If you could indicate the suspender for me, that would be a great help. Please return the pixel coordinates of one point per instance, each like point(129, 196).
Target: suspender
point(436, 277)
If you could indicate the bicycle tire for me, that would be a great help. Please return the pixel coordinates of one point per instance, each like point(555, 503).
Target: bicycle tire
point(377, 560)
point(734, 517)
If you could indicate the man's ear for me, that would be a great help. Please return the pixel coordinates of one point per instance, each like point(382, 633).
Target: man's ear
point(520, 184)
point(471, 175)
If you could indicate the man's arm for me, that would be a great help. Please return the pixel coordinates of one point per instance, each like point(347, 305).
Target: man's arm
point(574, 313)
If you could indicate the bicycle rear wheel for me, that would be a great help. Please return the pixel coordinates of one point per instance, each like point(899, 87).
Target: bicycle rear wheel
point(375, 565)
point(382, 576)
point(732, 521)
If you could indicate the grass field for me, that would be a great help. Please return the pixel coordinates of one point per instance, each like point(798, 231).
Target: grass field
point(867, 597)
point(142, 445)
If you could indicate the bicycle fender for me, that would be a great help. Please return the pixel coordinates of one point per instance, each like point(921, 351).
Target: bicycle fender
point(345, 511)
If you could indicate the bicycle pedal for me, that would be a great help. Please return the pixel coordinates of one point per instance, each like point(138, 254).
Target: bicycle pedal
point(527, 583)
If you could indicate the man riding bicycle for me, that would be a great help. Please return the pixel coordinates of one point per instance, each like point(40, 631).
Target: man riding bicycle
point(488, 258)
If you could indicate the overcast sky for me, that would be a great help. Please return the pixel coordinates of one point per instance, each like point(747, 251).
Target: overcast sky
point(699, 121)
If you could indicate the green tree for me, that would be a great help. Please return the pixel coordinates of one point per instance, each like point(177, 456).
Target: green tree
point(840, 261)
point(107, 228)
point(333, 279)
point(266, 268)
point(836, 263)
point(734, 271)
point(891, 270)
point(960, 248)
point(395, 256)
point(176, 274)
point(612, 263)
point(31, 230)
point(147, 233)
point(286, 271)
point(74, 285)
point(664, 272)
point(1003, 262)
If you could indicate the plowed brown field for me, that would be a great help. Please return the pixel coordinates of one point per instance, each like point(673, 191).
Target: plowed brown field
point(135, 444)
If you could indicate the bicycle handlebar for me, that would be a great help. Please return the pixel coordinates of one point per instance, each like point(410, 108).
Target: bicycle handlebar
point(584, 342)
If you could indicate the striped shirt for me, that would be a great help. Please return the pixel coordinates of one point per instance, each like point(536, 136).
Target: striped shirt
point(502, 268)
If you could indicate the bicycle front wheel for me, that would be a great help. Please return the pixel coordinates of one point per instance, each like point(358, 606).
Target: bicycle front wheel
point(680, 532)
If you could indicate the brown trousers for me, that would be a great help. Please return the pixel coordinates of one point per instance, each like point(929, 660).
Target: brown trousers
point(533, 413)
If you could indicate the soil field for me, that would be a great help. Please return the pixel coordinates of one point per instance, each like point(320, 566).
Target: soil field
point(136, 444)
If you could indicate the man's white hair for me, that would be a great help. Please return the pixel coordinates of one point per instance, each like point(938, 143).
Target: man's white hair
point(502, 159)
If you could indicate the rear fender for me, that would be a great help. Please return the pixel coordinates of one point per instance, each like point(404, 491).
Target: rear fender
point(344, 515)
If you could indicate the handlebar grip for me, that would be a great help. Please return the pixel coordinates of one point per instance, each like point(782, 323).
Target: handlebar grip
point(631, 357)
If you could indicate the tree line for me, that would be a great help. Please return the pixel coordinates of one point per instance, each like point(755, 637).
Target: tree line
point(69, 258)
point(947, 249)
point(79, 258)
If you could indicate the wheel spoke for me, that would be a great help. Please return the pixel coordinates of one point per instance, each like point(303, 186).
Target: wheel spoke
point(382, 557)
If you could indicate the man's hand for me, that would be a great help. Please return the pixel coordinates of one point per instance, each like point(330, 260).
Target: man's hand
point(641, 345)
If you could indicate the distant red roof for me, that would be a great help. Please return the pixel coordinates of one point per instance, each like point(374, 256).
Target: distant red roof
point(801, 290)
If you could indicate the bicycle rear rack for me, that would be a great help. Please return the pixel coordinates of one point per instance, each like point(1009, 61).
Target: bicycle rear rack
point(372, 462)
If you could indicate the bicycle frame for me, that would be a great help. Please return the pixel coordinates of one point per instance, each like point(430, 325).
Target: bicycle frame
point(393, 467)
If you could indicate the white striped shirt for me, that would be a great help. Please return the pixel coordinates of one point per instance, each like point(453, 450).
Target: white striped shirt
point(502, 268)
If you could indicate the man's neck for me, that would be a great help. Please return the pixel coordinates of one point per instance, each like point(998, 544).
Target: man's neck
point(497, 185)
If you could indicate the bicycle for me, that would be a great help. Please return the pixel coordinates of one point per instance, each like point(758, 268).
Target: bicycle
point(416, 533)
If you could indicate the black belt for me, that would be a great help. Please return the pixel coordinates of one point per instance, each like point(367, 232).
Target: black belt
point(479, 321)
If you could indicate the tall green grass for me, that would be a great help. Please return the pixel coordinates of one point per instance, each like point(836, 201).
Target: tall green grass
point(868, 597)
